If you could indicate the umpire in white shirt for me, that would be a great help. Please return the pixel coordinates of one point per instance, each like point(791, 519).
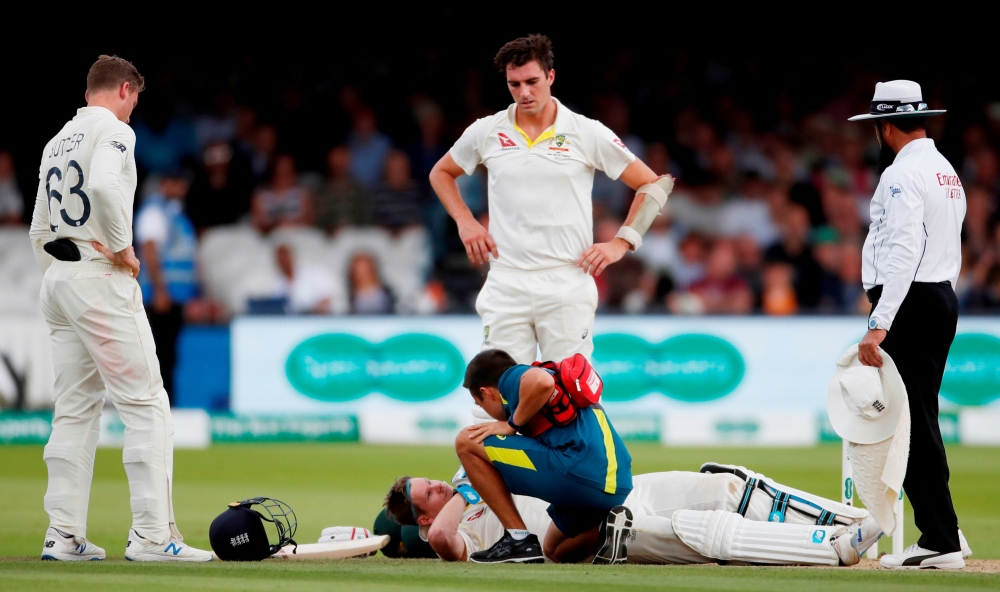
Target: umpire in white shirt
point(912, 258)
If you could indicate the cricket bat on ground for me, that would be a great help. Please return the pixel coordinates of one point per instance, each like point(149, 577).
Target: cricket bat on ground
point(332, 550)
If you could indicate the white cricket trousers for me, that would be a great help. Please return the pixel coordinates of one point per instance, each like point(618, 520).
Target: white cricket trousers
point(101, 342)
point(656, 496)
point(552, 309)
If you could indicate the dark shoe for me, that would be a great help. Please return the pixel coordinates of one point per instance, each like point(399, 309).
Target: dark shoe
point(507, 550)
point(615, 530)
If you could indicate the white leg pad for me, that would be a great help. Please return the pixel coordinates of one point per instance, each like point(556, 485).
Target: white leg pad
point(759, 510)
point(729, 536)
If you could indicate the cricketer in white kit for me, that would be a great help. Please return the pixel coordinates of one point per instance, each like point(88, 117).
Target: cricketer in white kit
point(541, 158)
point(101, 341)
point(724, 512)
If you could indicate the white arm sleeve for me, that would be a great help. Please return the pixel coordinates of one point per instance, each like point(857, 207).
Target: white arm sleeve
point(907, 237)
point(468, 149)
point(40, 232)
point(105, 189)
point(605, 150)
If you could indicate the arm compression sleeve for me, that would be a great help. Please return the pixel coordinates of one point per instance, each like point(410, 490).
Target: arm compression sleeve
point(656, 194)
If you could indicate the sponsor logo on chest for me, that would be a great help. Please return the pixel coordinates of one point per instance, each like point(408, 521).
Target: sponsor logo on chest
point(506, 143)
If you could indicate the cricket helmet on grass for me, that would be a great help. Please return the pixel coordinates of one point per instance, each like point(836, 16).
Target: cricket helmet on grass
point(239, 533)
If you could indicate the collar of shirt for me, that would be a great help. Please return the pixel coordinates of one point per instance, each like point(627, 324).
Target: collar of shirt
point(915, 145)
point(560, 125)
point(104, 111)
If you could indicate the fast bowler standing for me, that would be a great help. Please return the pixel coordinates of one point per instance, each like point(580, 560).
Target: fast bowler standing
point(102, 345)
point(912, 258)
point(541, 159)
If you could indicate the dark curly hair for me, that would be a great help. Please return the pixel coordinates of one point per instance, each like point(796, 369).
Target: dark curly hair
point(520, 51)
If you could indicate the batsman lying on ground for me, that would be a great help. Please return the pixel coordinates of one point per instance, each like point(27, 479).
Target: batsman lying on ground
point(725, 512)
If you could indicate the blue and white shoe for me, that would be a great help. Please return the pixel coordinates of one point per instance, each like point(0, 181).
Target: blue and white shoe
point(140, 549)
point(61, 546)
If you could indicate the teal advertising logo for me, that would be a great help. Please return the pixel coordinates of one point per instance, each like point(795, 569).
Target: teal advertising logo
point(972, 374)
point(690, 367)
point(338, 367)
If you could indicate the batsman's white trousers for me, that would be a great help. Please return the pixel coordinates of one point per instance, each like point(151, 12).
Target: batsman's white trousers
point(552, 309)
point(102, 343)
point(656, 496)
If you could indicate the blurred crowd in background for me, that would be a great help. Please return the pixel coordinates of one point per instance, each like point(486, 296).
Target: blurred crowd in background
point(297, 192)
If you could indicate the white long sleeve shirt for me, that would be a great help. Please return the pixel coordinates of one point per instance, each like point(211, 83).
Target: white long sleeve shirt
point(915, 233)
point(86, 186)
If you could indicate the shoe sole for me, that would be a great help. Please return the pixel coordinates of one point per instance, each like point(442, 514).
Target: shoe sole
point(170, 560)
point(947, 566)
point(54, 558)
point(614, 550)
point(516, 560)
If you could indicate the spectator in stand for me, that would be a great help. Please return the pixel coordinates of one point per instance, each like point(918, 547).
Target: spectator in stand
point(722, 291)
point(220, 193)
point(265, 149)
point(166, 240)
point(283, 201)
point(369, 148)
point(430, 147)
point(690, 266)
point(220, 124)
point(697, 209)
point(778, 291)
point(749, 213)
point(164, 141)
point(854, 298)
point(610, 196)
point(11, 200)
point(794, 249)
point(398, 201)
point(368, 294)
point(623, 286)
point(979, 211)
point(828, 253)
point(308, 289)
point(342, 201)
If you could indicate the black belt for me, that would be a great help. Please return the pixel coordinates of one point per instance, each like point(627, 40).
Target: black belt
point(875, 293)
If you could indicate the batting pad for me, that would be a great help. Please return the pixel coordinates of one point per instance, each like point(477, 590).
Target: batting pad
point(729, 536)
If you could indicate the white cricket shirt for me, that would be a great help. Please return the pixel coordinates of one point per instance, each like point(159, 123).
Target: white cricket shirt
point(480, 527)
point(915, 234)
point(540, 206)
point(86, 186)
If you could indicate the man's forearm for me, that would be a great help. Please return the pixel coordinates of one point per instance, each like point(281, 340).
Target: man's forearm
point(151, 258)
point(536, 389)
point(443, 535)
point(446, 188)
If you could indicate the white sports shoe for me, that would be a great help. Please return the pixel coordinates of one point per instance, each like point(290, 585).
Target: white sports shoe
point(139, 549)
point(966, 549)
point(916, 557)
point(852, 544)
point(59, 547)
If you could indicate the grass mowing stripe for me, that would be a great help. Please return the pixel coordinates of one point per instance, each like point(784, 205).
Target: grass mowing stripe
point(383, 574)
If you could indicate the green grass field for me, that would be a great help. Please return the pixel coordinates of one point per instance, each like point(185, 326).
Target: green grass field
point(343, 484)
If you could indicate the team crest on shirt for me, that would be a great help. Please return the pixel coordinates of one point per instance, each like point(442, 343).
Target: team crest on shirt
point(895, 190)
point(486, 334)
point(559, 144)
point(505, 142)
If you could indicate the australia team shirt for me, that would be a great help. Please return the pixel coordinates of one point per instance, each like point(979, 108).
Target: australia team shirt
point(540, 202)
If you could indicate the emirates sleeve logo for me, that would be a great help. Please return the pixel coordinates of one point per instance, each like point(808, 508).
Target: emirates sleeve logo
point(505, 142)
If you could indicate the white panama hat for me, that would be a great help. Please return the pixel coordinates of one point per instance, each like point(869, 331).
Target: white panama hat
point(899, 99)
point(865, 403)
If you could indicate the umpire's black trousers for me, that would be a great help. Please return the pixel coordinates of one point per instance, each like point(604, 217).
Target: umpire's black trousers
point(918, 342)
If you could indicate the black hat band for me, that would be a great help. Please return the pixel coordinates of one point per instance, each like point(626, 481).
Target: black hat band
point(886, 107)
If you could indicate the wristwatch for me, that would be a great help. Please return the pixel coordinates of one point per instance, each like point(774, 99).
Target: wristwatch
point(873, 324)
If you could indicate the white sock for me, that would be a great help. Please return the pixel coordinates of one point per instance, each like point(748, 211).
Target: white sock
point(518, 535)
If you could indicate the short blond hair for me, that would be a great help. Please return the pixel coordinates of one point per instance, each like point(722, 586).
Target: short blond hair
point(110, 72)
